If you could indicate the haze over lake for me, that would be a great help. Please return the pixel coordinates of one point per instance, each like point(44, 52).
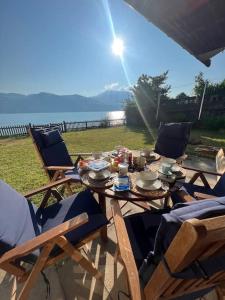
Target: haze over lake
point(45, 118)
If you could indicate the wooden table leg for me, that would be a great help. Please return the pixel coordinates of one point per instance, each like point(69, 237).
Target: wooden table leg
point(102, 203)
point(166, 201)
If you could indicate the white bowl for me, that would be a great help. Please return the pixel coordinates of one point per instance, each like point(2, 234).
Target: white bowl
point(148, 175)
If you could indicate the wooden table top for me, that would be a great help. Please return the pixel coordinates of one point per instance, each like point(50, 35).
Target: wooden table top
point(135, 194)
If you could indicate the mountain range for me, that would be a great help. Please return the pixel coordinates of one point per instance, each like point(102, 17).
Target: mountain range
point(46, 102)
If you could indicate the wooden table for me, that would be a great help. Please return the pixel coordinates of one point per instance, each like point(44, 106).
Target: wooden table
point(136, 195)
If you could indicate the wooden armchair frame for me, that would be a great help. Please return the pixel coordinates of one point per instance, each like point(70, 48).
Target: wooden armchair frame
point(46, 241)
point(59, 170)
point(196, 240)
point(200, 174)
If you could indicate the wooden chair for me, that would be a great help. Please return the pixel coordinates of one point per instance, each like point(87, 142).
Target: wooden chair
point(53, 153)
point(195, 242)
point(42, 236)
point(198, 191)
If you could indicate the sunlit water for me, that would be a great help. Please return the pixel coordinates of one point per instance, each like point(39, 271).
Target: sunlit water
point(45, 118)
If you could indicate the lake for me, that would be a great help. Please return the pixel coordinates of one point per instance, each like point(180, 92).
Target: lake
point(45, 118)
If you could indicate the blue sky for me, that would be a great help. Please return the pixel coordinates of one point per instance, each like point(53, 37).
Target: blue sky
point(64, 47)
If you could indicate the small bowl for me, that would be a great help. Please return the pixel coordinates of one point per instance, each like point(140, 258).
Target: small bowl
point(148, 176)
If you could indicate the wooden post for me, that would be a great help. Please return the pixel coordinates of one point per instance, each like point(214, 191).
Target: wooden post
point(64, 125)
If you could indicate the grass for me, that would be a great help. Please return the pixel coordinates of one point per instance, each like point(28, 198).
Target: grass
point(21, 168)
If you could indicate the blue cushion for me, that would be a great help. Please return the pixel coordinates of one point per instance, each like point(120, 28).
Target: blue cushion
point(64, 210)
point(57, 155)
point(17, 219)
point(73, 174)
point(219, 188)
point(181, 212)
point(51, 137)
point(37, 136)
point(172, 139)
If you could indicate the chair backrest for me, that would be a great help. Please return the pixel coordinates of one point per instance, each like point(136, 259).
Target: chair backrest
point(195, 259)
point(17, 219)
point(220, 162)
point(50, 147)
point(173, 139)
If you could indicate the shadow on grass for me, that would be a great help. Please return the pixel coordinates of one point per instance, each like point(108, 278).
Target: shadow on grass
point(150, 137)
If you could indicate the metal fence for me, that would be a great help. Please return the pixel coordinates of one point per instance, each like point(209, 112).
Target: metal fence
point(22, 130)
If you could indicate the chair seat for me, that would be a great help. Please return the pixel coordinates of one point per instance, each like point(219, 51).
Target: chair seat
point(142, 229)
point(191, 189)
point(66, 209)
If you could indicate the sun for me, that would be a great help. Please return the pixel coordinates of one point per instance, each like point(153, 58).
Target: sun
point(118, 47)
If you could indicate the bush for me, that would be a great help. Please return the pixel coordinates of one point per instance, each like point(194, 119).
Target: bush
point(212, 123)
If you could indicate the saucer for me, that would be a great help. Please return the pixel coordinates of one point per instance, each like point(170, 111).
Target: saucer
point(157, 184)
point(176, 169)
point(98, 165)
point(102, 175)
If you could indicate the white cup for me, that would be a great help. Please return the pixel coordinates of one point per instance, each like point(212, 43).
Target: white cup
point(166, 168)
point(148, 175)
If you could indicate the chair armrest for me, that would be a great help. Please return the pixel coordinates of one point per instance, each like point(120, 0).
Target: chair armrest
point(47, 187)
point(58, 168)
point(81, 154)
point(44, 238)
point(185, 197)
point(201, 171)
point(126, 252)
point(202, 196)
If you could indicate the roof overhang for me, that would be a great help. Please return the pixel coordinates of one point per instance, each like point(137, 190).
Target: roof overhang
point(197, 25)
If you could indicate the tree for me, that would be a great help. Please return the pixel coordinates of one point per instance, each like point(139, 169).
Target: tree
point(200, 83)
point(182, 96)
point(145, 99)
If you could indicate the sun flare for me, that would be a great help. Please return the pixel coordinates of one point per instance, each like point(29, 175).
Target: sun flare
point(118, 47)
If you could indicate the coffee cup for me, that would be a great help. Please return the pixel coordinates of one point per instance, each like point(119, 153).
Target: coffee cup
point(166, 168)
point(148, 175)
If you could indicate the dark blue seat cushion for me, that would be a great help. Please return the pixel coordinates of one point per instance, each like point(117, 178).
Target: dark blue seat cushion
point(219, 188)
point(142, 229)
point(64, 210)
point(57, 155)
point(171, 222)
point(51, 138)
point(52, 147)
point(73, 174)
point(17, 219)
point(172, 139)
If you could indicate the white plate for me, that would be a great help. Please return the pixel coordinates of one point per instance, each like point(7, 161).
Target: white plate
point(99, 175)
point(98, 165)
point(149, 187)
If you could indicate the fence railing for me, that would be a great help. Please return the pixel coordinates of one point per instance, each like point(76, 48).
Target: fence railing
point(22, 130)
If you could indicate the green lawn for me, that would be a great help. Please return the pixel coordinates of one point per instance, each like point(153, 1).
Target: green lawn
point(21, 168)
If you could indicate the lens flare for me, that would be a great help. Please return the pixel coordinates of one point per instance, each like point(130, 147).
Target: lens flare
point(118, 47)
